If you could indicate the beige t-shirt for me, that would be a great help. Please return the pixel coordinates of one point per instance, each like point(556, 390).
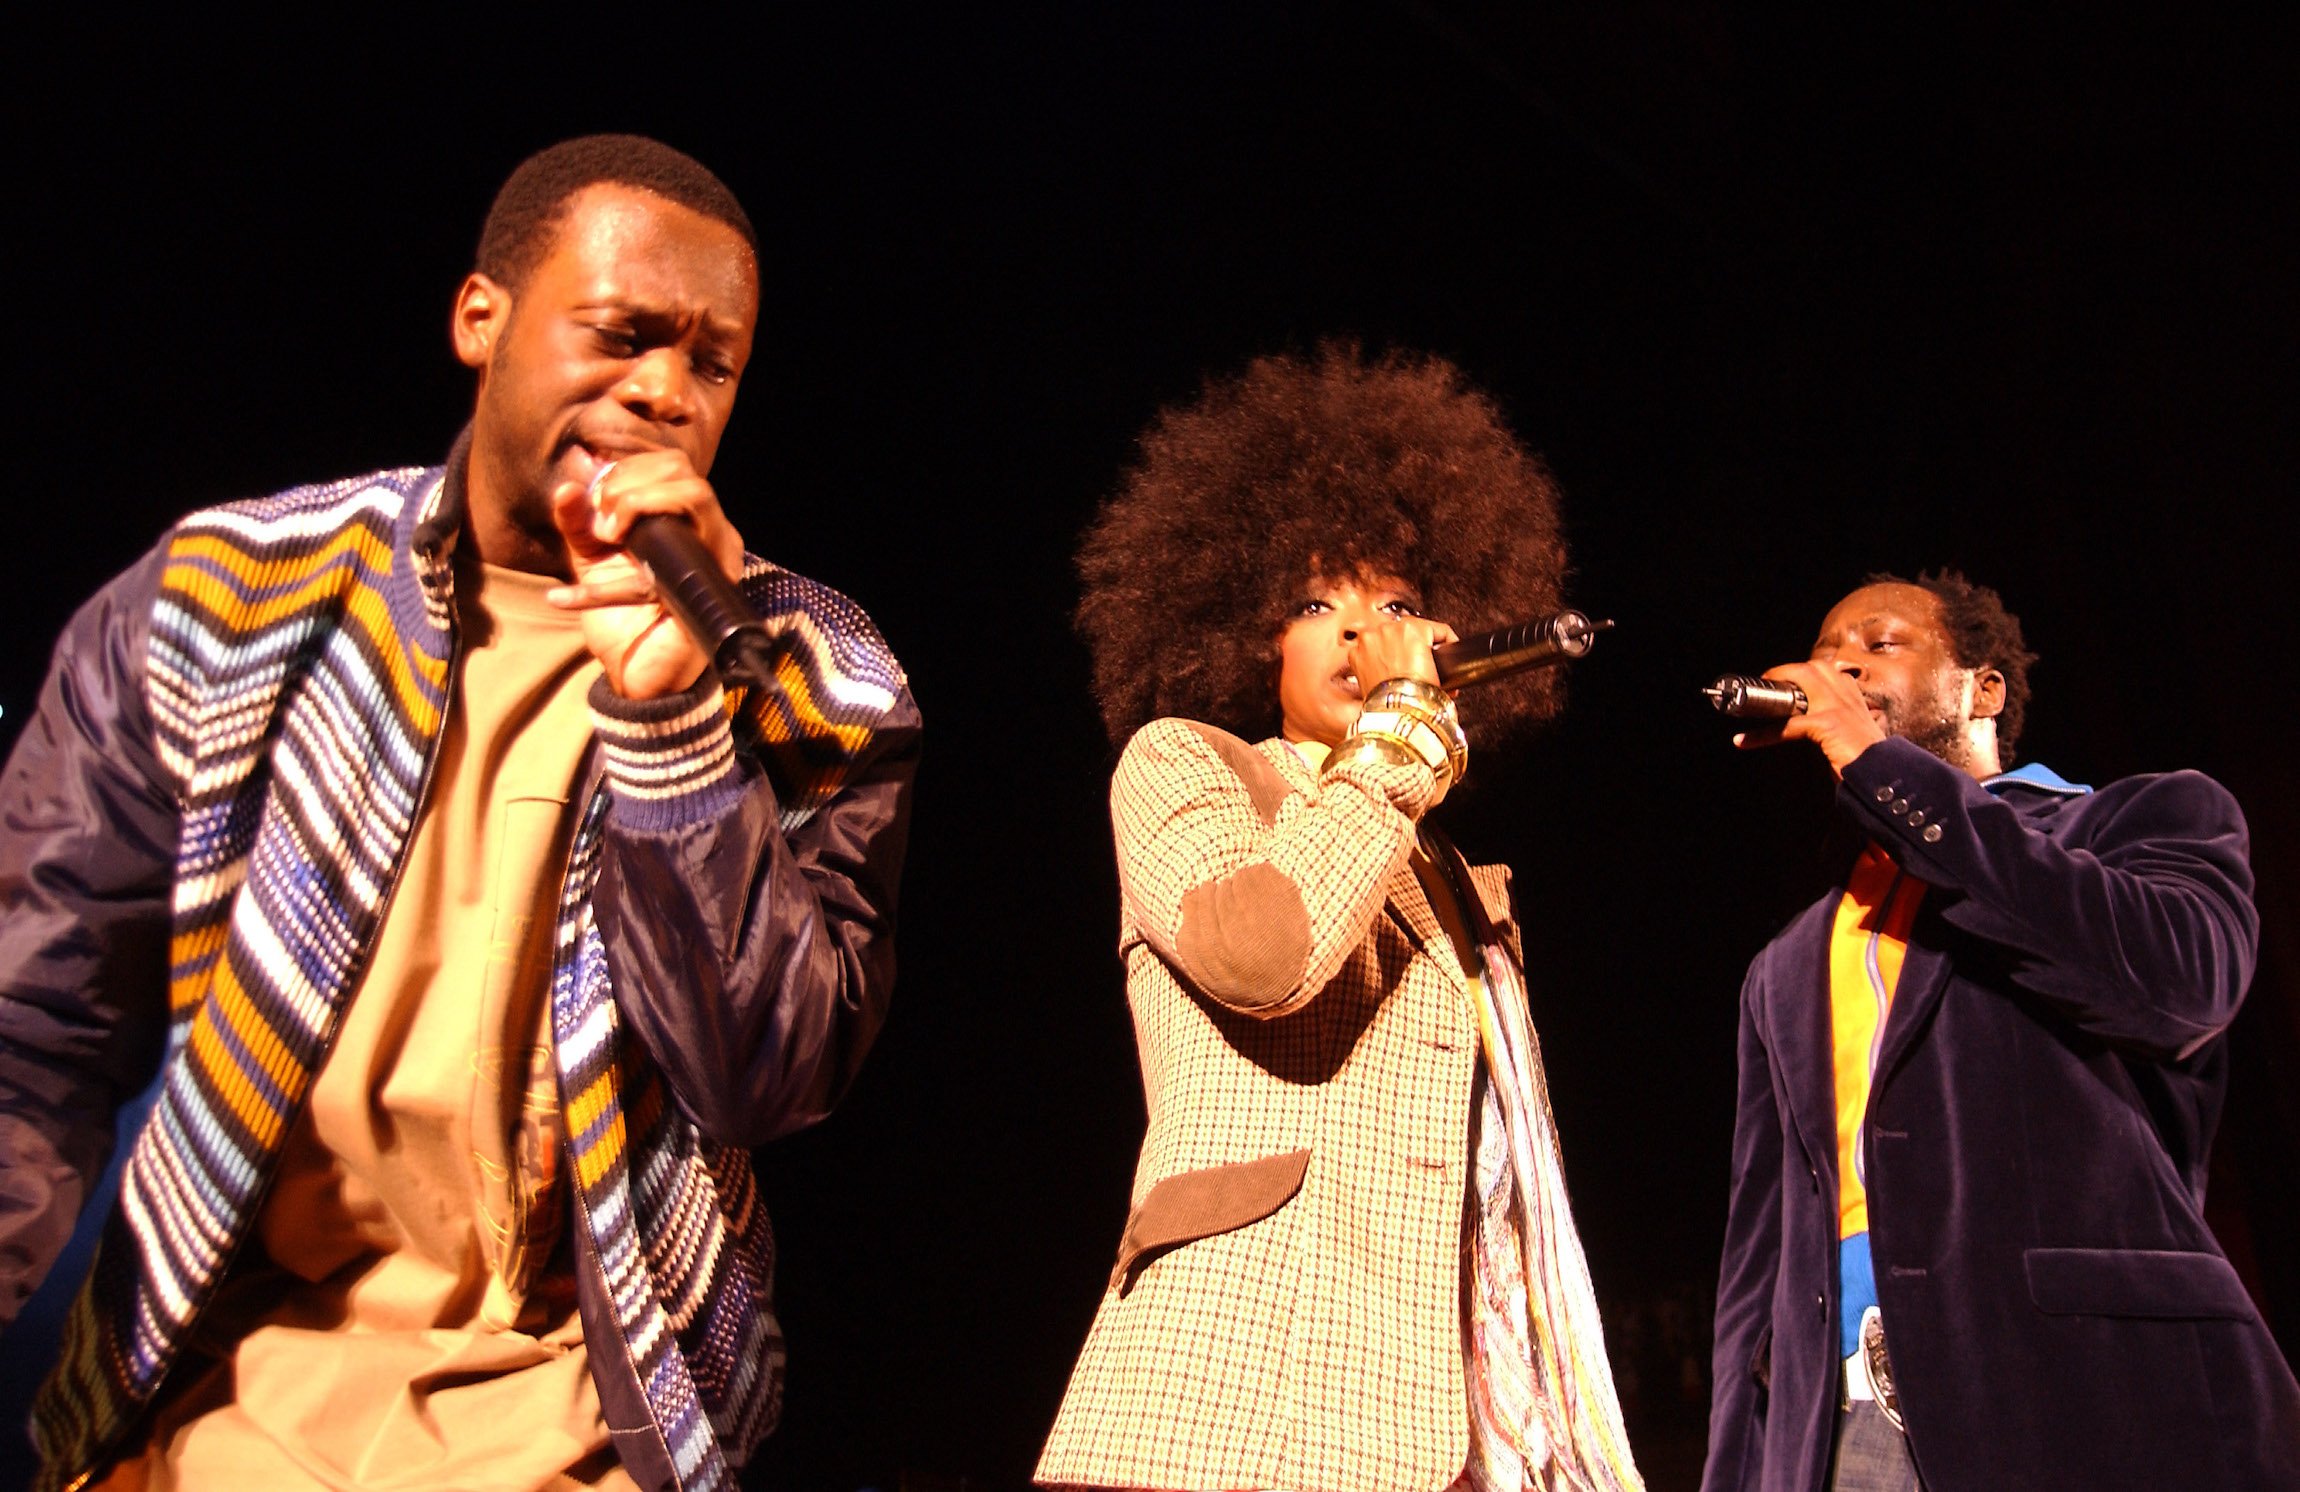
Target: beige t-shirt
point(394, 1326)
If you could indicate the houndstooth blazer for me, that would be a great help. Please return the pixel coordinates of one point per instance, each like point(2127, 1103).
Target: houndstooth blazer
point(1286, 1306)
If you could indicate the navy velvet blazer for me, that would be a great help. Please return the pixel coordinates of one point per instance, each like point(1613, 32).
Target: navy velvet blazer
point(2051, 1074)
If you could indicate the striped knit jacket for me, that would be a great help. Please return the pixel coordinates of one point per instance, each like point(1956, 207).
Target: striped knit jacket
point(300, 667)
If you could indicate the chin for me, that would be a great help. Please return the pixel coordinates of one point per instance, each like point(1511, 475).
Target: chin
point(1944, 741)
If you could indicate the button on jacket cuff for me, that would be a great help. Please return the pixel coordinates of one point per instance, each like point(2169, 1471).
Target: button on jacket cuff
point(1906, 797)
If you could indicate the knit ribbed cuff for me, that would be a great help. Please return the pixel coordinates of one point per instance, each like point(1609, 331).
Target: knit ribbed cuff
point(670, 761)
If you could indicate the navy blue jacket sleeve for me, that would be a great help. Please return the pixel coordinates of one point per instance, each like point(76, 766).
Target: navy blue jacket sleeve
point(1739, 1355)
point(755, 963)
point(2130, 911)
point(88, 826)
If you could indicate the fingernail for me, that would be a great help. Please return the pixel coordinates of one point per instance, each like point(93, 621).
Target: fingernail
point(559, 595)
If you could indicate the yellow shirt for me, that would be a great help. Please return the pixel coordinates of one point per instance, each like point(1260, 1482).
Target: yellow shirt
point(1866, 947)
point(391, 1327)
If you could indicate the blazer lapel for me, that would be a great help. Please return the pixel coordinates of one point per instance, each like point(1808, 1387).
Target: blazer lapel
point(1797, 1015)
point(1409, 907)
point(1491, 883)
point(1924, 976)
point(1484, 889)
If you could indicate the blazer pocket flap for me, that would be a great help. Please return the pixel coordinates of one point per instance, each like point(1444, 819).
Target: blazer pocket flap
point(2167, 1284)
point(1199, 1204)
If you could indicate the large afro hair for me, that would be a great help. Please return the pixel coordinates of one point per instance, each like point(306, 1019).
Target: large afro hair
point(1332, 465)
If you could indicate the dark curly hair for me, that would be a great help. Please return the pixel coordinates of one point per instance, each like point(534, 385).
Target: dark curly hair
point(1982, 634)
point(1330, 466)
point(534, 198)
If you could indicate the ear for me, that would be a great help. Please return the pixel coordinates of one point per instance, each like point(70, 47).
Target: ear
point(1988, 694)
point(482, 309)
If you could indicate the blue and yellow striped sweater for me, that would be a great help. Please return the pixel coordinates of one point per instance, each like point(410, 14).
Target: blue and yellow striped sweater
point(300, 661)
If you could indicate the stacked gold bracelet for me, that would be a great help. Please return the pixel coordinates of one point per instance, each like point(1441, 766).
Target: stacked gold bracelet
point(1406, 721)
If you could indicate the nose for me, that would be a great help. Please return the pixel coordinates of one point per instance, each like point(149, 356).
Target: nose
point(1846, 661)
point(658, 388)
point(1357, 618)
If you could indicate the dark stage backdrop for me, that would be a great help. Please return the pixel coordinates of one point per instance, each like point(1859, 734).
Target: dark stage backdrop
point(1783, 302)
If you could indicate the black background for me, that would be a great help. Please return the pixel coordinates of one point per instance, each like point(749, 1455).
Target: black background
point(1782, 301)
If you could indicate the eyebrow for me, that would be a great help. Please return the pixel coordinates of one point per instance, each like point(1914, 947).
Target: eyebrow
point(1319, 592)
point(1873, 619)
point(712, 325)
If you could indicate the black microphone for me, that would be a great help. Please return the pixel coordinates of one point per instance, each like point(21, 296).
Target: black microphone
point(1508, 650)
point(692, 587)
point(1747, 697)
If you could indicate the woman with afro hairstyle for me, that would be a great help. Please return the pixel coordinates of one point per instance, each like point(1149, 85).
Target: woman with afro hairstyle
point(1350, 1263)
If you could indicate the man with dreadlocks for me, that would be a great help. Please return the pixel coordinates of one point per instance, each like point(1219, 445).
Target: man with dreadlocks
point(1993, 1049)
point(1349, 1264)
point(475, 927)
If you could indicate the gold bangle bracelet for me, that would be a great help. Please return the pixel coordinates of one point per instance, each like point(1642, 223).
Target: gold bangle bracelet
point(1411, 709)
point(1397, 750)
point(1393, 693)
point(1410, 699)
point(1379, 750)
point(1429, 742)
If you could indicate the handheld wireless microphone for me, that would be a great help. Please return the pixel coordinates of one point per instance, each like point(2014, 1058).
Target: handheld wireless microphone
point(1508, 650)
point(1747, 697)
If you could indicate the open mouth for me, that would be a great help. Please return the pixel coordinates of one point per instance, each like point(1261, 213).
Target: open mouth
point(584, 455)
point(581, 463)
point(582, 459)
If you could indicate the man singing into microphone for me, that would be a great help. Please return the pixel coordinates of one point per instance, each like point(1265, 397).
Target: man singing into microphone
point(1979, 1082)
point(475, 925)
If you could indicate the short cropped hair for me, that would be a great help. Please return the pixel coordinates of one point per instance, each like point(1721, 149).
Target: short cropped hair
point(531, 203)
point(1330, 466)
point(1982, 634)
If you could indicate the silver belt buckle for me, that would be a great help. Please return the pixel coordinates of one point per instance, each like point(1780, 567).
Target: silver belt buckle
point(1880, 1367)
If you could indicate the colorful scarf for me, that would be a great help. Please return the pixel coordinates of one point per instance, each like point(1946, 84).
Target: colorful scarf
point(1543, 1413)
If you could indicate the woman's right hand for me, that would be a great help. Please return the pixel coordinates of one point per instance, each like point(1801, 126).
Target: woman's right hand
point(1398, 647)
